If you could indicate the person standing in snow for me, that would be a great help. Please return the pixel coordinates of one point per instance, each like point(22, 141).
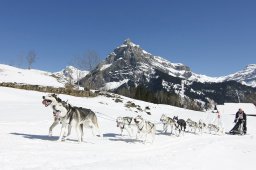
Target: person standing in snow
point(239, 119)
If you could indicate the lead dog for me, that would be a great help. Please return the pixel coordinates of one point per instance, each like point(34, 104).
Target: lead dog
point(76, 117)
point(145, 127)
point(52, 100)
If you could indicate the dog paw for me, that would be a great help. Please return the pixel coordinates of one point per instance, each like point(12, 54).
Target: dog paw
point(59, 140)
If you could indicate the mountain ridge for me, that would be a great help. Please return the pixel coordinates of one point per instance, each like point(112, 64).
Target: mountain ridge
point(130, 70)
point(134, 55)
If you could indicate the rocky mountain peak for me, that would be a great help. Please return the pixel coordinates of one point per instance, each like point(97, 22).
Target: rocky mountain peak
point(129, 62)
point(129, 42)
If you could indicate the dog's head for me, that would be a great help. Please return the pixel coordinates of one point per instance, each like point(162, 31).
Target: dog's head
point(175, 118)
point(164, 118)
point(138, 119)
point(119, 121)
point(60, 109)
point(188, 121)
point(50, 99)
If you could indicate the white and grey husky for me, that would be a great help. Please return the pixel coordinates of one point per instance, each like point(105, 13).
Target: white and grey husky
point(167, 121)
point(72, 116)
point(192, 125)
point(144, 128)
point(126, 123)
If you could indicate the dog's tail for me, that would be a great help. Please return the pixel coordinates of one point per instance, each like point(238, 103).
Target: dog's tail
point(95, 120)
point(96, 124)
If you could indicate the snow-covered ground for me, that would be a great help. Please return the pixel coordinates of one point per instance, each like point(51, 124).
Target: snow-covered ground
point(25, 145)
point(12, 74)
point(33, 77)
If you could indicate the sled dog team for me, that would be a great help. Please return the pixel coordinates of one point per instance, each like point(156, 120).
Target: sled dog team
point(71, 116)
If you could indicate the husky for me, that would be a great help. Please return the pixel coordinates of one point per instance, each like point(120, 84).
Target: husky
point(145, 127)
point(192, 125)
point(76, 117)
point(167, 121)
point(201, 126)
point(52, 100)
point(125, 123)
point(180, 124)
point(213, 128)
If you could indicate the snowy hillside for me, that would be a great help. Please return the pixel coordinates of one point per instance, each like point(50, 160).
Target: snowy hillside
point(33, 77)
point(37, 77)
point(25, 143)
point(246, 76)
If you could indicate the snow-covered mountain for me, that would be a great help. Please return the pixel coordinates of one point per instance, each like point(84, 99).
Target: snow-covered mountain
point(70, 74)
point(246, 76)
point(36, 77)
point(130, 62)
point(129, 70)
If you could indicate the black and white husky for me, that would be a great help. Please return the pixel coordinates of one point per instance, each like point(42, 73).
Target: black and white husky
point(52, 100)
point(180, 124)
point(167, 121)
point(72, 116)
point(125, 123)
point(144, 128)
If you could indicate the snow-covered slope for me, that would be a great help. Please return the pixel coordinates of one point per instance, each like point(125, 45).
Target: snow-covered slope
point(33, 77)
point(246, 76)
point(25, 143)
point(37, 77)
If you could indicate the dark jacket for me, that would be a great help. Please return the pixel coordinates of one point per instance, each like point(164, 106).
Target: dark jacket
point(240, 115)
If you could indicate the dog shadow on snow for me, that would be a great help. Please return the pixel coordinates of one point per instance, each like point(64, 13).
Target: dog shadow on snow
point(117, 137)
point(108, 136)
point(160, 132)
point(41, 137)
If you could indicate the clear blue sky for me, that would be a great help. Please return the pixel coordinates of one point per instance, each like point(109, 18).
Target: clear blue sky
point(212, 37)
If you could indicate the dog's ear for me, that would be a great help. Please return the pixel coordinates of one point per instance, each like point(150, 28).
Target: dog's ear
point(58, 99)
